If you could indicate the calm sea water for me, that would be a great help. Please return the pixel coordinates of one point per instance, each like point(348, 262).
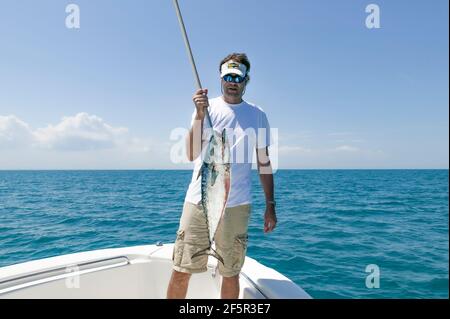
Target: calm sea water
point(332, 223)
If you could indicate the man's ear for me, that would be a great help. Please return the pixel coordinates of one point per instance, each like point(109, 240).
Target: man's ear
point(247, 79)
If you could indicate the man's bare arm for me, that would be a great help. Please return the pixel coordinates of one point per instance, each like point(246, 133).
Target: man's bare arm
point(194, 137)
point(266, 178)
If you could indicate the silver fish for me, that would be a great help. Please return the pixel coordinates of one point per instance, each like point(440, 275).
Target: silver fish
point(215, 185)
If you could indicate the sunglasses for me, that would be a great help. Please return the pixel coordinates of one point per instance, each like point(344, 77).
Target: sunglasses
point(233, 78)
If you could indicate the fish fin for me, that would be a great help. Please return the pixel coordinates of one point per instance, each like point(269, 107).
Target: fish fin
point(224, 136)
point(214, 175)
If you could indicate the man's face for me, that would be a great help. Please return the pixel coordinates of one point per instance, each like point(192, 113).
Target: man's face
point(232, 89)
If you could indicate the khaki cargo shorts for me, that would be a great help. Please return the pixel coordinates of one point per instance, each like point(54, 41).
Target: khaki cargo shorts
point(230, 240)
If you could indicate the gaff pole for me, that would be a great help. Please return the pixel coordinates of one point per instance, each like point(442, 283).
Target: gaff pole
point(189, 51)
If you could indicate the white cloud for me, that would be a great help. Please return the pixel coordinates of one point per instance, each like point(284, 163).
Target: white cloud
point(85, 141)
point(14, 133)
point(82, 141)
point(289, 150)
point(286, 138)
point(299, 150)
point(80, 132)
point(346, 148)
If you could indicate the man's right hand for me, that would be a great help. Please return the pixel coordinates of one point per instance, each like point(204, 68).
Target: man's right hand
point(200, 99)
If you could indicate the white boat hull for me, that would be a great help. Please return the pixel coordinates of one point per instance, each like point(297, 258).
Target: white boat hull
point(140, 272)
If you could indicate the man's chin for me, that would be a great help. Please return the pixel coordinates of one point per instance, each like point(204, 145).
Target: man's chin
point(232, 93)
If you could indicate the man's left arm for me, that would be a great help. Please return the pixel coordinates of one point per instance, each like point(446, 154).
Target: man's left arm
point(266, 178)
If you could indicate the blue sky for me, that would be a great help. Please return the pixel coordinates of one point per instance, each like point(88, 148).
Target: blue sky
point(108, 95)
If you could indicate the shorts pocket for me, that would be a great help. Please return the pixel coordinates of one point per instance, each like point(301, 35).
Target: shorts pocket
point(178, 248)
point(239, 251)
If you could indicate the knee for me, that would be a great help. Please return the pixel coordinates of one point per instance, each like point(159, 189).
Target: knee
point(180, 276)
point(231, 279)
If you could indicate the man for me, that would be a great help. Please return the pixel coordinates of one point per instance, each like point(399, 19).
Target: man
point(230, 112)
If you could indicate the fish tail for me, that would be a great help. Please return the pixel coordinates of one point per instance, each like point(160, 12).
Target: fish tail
point(201, 252)
point(209, 251)
point(216, 255)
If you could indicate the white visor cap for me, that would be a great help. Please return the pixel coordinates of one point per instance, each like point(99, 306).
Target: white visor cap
point(233, 67)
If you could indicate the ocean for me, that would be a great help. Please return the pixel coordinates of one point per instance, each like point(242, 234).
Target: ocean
point(333, 225)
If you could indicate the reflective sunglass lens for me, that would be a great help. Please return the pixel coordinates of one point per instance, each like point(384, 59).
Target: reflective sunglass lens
point(235, 79)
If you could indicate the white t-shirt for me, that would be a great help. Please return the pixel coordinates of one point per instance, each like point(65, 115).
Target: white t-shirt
point(247, 128)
